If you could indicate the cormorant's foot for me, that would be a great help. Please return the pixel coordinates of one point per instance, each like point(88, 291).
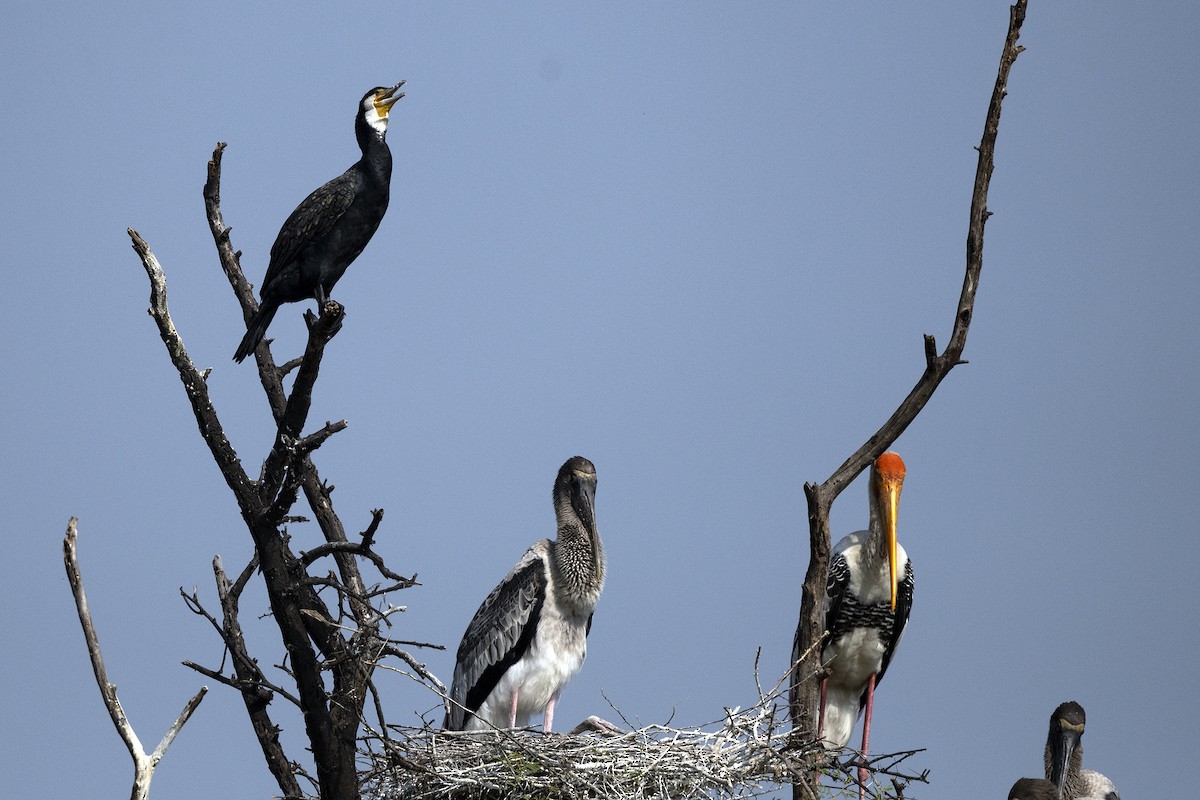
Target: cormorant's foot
point(333, 314)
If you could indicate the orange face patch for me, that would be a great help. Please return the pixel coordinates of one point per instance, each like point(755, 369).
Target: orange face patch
point(890, 467)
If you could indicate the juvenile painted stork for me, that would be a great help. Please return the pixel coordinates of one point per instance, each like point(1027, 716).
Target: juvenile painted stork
point(1033, 789)
point(529, 637)
point(866, 608)
point(1064, 758)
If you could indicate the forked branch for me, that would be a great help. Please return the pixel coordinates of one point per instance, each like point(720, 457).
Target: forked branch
point(144, 764)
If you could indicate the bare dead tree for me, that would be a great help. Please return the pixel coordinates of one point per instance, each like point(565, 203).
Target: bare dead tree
point(143, 763)
point(334, 641)
point(807, 658)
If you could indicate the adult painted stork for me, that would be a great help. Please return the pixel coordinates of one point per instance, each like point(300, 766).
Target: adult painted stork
point(529, 637)
point(1064, 758)
point(1033, 789)
point(866, 608)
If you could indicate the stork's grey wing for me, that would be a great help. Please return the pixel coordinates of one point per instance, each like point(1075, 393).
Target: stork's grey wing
point(499, 634)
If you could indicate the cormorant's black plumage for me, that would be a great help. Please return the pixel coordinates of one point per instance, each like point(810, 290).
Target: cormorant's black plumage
point(332, 225)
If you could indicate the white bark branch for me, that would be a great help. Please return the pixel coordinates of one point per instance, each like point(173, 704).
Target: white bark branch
point(143, 763)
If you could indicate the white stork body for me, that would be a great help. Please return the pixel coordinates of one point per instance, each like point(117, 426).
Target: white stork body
point(1096, 786)
point(554, 653)
point(862, 641)
point(529, 637)
point(866, 607)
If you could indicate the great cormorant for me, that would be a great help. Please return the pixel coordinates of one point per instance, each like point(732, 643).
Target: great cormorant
point(867, 602)
point(332, 225)
point(529, 637)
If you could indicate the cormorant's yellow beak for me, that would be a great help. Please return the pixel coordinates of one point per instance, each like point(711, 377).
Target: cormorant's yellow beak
point(386, 98)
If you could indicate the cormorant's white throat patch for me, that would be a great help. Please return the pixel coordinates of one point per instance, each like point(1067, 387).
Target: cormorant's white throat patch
point(377, 121)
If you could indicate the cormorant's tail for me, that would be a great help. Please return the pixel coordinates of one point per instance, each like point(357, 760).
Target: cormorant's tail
point(256, 330)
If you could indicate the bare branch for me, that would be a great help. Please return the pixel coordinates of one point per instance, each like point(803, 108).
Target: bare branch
point(359, 549)
point(180, 721)
point(143, 764)
point(252, 684)
point(299, 402)
point(314, 440)
point(236, 588)
point(231, 265)
point(416, 666)
point(368, 536)
point(193, 382)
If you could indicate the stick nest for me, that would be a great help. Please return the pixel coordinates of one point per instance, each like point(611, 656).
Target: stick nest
point(744, 755)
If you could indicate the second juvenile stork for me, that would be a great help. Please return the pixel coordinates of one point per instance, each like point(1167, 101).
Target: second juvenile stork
point(867, 602)
point(529, 637)
point(1064, 758)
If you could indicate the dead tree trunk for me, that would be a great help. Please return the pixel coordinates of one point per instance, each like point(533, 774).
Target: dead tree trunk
point(806, 652)
point(343, 637)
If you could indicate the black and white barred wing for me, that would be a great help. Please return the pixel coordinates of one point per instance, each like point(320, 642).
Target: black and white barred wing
point(499, 634)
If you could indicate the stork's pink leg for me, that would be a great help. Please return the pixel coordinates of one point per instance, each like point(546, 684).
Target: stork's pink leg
point(821, 711)
point(512, 713)
point(862, 770)
point(550, 714)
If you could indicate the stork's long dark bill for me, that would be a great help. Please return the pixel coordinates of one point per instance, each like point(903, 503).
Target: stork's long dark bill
point(1062, 748)
point(583, 500)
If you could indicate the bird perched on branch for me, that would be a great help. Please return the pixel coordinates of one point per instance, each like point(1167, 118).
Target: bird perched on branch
point(332, 225)
point(1064, 758)
point(529, 637)
point(867, 602)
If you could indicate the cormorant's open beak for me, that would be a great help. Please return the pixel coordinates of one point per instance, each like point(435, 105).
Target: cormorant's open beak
point(387, 98)
point(1062, 747)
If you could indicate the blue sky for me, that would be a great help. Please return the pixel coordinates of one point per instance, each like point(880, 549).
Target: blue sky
point(697, 244)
